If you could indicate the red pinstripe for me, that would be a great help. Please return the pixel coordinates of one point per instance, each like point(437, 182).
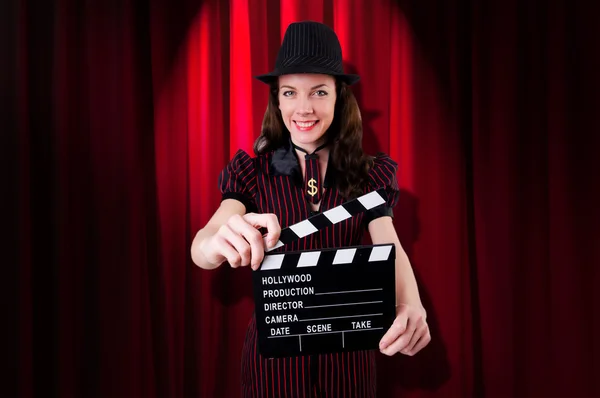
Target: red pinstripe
point(332, 376)
point(354, 381)
point(343, 370)
point(303, 383)
point(297, 384)
point(286, 184)
point(279, 209)
point(337, 358)
point(253, 351)
point(272, 377)
point(309, 381)
point(284, 379)
point(345, 380)
point(256, 358)
point(278, 380)
point(366, 373)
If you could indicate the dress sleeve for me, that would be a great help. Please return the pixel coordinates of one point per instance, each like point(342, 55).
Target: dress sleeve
point(238, 180)
point(383, 175)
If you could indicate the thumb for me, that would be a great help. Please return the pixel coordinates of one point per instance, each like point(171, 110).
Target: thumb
point(397, 329)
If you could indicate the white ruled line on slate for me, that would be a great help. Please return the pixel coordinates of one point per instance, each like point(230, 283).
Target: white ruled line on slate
point(349, 291)
point(312, 334)
point(338, 305)
point(338, 317)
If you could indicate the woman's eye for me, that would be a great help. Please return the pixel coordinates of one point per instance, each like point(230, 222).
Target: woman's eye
point(321, 93)
point(287, 93)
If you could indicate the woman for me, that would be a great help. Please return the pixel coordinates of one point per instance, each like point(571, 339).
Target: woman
point(309, 159)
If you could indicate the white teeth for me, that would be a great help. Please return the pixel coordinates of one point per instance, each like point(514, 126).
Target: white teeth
point(305, 124)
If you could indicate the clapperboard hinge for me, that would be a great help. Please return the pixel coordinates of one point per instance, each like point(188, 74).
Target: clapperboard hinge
point(330, 217)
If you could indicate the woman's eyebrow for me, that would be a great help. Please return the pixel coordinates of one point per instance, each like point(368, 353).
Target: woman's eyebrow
point(312, 88)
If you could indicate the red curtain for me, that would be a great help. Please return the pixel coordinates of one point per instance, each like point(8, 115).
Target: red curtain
point(120, 115)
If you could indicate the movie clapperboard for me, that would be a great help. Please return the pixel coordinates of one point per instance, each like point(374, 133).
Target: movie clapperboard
point(328, 300)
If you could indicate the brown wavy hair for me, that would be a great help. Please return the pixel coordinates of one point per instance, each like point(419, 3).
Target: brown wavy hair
point(345, 134)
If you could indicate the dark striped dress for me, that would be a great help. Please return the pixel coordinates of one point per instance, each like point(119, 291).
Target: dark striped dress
point(272, 183)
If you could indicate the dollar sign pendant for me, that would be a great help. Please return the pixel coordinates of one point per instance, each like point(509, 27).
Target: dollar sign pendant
point(312, 185)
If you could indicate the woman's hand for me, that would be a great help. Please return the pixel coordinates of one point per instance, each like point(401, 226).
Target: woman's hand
point(408, 334)
point(239, 241)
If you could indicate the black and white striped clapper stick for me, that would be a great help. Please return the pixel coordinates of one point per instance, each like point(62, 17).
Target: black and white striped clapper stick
point(330, 217)
point(328, 300)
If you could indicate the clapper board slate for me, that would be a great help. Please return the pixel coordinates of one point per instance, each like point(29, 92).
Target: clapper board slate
point(327, 300)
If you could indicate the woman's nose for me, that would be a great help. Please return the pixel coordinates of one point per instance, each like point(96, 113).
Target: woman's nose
point(304, 107)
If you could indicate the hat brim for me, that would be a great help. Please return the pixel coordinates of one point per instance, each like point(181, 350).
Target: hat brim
point(267, 78)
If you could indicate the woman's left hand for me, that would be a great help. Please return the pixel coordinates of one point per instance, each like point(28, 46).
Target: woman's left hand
point(408, 334)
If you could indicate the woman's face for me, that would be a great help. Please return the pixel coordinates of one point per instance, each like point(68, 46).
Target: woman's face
point(307, 105)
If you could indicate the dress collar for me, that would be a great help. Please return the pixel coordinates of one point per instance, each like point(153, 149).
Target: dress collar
point(284, 162)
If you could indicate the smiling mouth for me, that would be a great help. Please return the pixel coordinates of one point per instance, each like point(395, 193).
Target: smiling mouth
point(305, 125)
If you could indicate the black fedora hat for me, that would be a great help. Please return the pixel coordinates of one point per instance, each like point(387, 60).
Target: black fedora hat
point(309, 47)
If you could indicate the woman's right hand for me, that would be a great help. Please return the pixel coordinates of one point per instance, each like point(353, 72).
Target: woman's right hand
point(239, 241)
